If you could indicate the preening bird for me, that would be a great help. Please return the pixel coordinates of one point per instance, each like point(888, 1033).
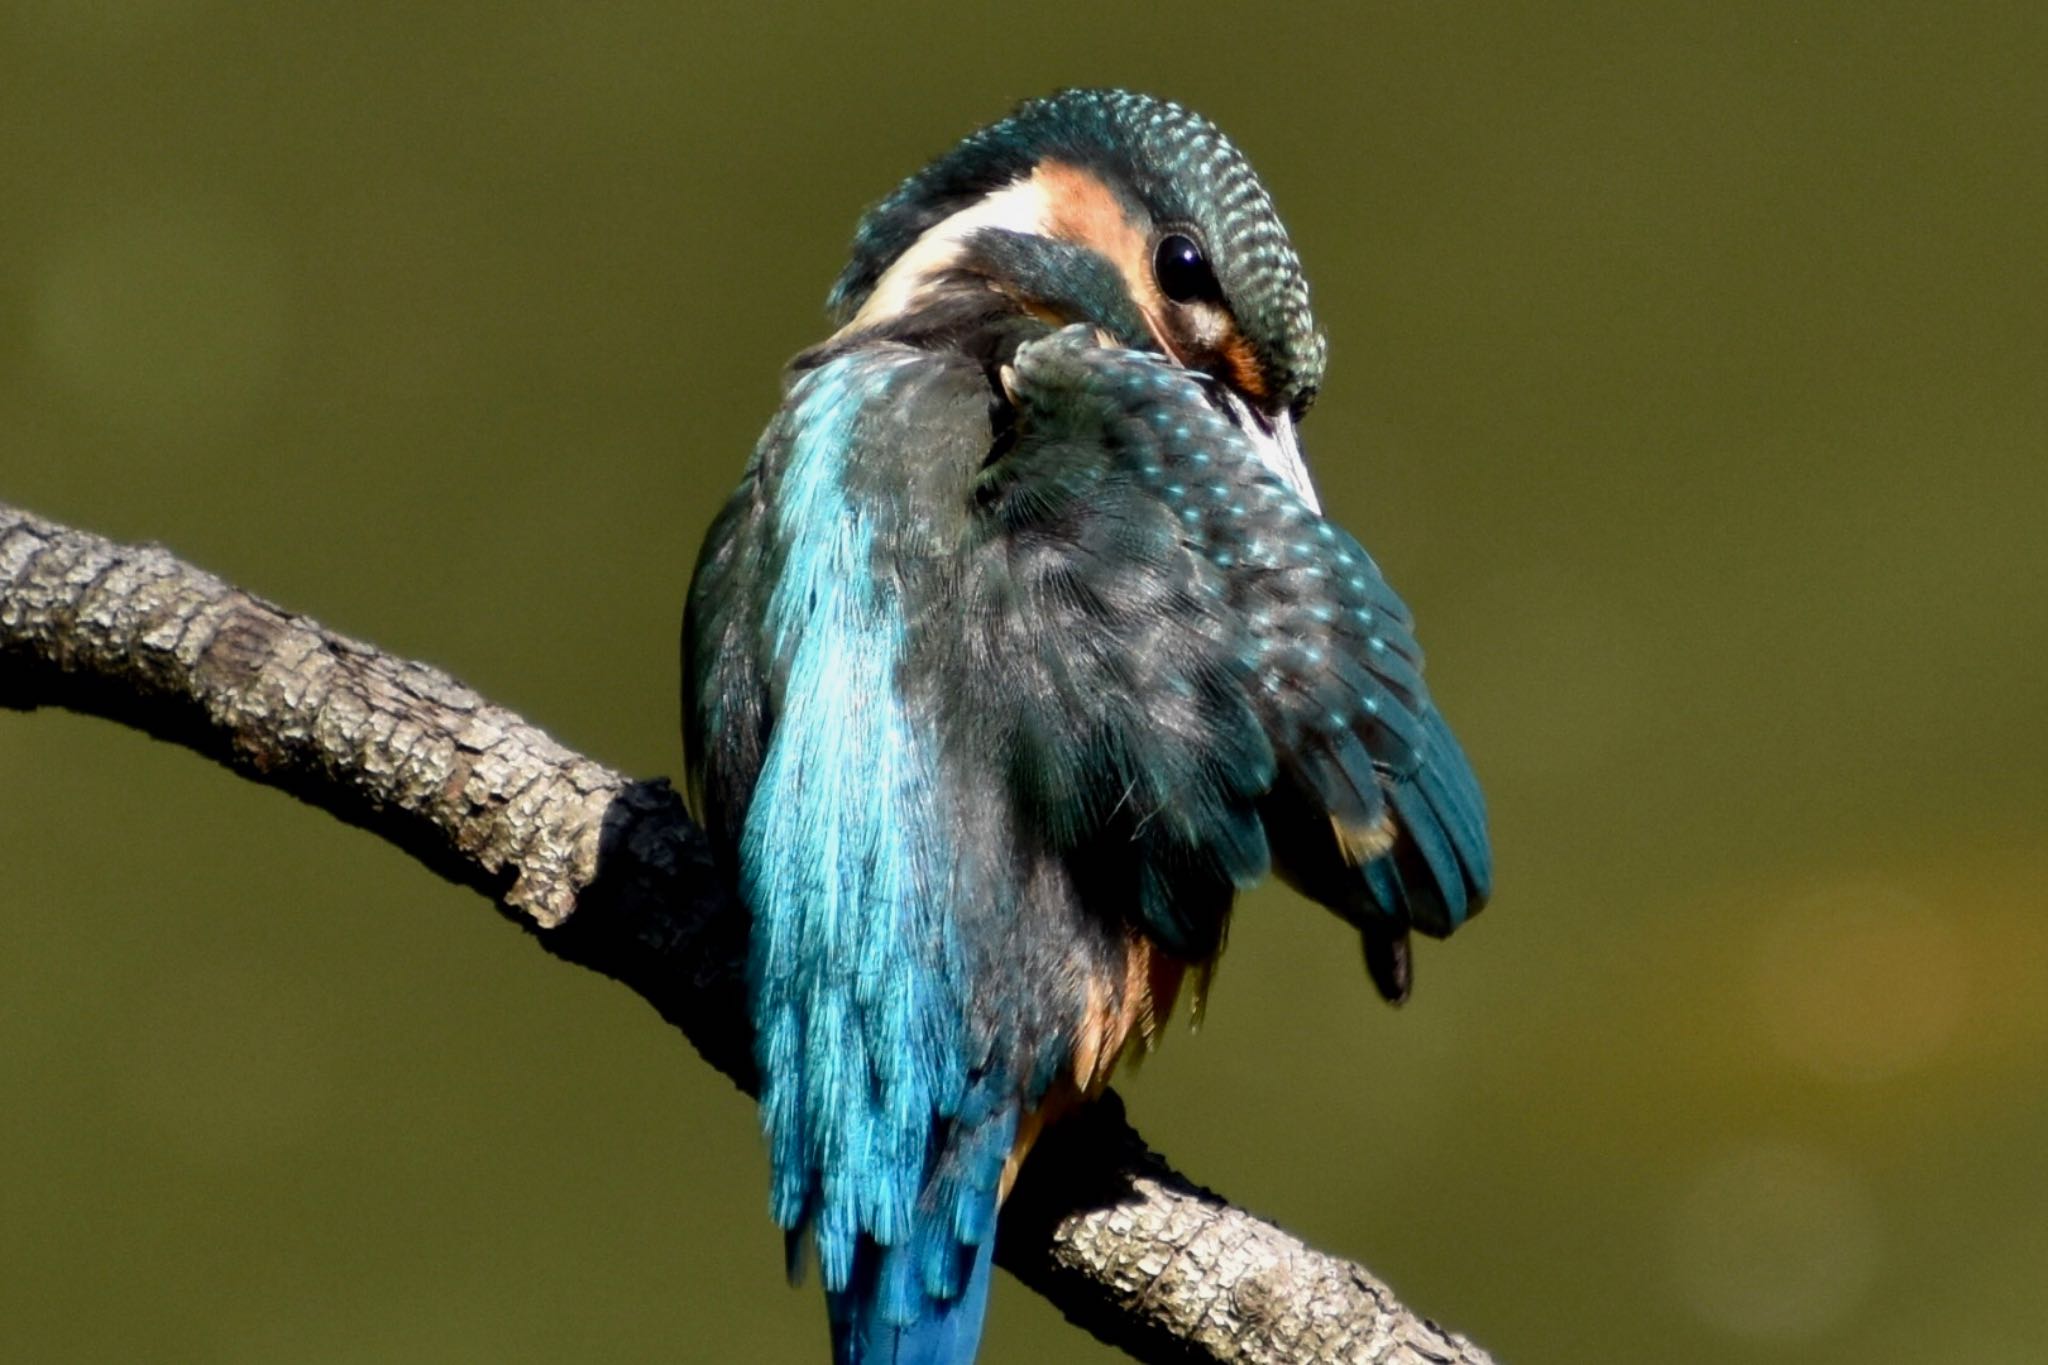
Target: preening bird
point(1022, 647)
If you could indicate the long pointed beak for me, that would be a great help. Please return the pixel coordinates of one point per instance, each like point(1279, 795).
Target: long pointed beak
point(1278, 446)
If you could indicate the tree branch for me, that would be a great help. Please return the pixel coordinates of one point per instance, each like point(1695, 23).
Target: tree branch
point(610, 873)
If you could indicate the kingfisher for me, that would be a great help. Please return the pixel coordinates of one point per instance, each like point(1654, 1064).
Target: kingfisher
point(1024, 646)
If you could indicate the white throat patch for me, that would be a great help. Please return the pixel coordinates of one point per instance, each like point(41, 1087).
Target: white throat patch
point(1021, 206)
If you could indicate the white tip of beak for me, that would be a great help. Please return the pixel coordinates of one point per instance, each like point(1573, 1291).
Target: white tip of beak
point(1278, 446)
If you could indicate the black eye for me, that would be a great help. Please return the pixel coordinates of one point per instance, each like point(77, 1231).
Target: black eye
point(1183, 271)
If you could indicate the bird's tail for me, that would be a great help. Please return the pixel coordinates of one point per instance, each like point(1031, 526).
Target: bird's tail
point(944, 1331)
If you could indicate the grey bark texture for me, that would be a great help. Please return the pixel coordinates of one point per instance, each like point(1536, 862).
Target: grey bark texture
point(610, 873)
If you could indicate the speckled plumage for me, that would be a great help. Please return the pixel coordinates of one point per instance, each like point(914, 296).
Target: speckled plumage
point(1169, 157)
point(1021, 649)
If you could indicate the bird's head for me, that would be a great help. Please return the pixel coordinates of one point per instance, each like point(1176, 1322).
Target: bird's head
point(1109, 208)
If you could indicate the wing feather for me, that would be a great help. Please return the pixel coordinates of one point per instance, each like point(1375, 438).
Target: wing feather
point(1371, 807)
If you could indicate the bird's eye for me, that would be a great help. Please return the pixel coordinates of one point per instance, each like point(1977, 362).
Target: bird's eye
point(1183, 271)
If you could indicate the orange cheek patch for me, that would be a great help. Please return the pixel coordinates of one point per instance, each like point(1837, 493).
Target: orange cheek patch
point(1083, 210)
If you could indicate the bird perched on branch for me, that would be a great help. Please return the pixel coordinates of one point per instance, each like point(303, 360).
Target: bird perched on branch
point(1022, 648)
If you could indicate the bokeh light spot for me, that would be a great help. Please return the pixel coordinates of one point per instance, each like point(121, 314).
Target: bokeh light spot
point(1774, 1242)
point(1860, 982)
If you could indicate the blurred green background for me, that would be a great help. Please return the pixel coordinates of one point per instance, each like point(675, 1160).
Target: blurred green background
point(1690, 379)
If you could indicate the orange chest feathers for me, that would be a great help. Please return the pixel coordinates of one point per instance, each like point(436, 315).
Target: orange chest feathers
point(1117, 1013)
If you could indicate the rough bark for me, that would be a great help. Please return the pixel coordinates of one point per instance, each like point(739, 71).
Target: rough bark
point(610, 873)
